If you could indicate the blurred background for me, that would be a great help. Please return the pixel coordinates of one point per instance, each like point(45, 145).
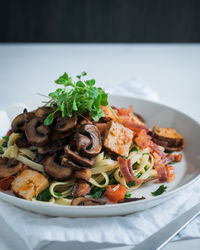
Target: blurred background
point(100, 21)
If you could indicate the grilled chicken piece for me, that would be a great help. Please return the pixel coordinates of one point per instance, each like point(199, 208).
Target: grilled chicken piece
point(118, 138)
point(28, 184)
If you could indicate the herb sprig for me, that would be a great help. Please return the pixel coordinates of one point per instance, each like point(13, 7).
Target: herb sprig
point(80, 96)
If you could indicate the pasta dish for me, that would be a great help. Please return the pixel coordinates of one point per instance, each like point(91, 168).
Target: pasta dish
point(76, 149)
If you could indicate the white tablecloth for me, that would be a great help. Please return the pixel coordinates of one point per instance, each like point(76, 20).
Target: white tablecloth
point(171, 70)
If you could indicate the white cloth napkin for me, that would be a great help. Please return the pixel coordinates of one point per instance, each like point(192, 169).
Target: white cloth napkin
point(38, 230)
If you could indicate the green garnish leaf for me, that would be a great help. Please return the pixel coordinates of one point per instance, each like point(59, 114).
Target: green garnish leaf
point(159, 191)
point(44, 195)
point(65, 80)
point(125, 157)
point(146, 168)
point(127, 195)
point(80, 96)
point(130, 184)
point(133, 149)
point(5, 143)
point(49, 119)
point(82, 74)
point(1, 151)
point(97, 193)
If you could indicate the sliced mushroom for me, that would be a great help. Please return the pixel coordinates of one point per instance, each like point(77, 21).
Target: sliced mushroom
point(43, 112)
point(73, 165)
point(92, 132)
point(57, 171)
point(18, 124)
point(52, 147)
point(80, 188)
point(65, 124)
point(82, 141)
point(86, 201)
point(37, 132)
point(9, 167)
point(83, 161)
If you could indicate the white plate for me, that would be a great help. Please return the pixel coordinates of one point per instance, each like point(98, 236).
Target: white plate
point(187, 172)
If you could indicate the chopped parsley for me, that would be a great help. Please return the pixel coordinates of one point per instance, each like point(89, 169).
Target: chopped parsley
point(146, 168)
point(159, 191)
point(130, 184)
point(133, 149)
point(172, 162)
point(138, 175)
point(80, 96)
point(127, 195)
point(146, 154)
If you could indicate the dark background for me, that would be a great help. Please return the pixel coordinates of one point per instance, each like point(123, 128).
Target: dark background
point(100, 21)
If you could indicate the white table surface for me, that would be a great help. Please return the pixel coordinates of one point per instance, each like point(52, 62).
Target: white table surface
point(172, 70)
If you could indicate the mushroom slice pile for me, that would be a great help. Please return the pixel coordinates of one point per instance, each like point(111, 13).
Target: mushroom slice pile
point(37, 132)
point(86, 201)
point(9, 167)
point(57, 171)
point(75, 157)
point(66, 124)
point(18, 124)
point(92, 133)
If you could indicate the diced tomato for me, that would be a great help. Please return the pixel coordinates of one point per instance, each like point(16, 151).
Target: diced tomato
point(115, 192)
point(170, 173)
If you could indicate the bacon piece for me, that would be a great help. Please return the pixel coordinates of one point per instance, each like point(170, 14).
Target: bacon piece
point(83, 174)
point(142, 139)
point(154, 148)
point(135, 127)
point(5, 183)
point(127, 172)
point(159, 165)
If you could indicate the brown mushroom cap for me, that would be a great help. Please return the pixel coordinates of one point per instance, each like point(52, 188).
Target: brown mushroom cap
point(18, 124)
point(74, 156)
point(86, 201)
point(37, 132)
point(43, 112)
point(9, 167)
point(65, 124)
point(91, 131)
point(56, 171)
